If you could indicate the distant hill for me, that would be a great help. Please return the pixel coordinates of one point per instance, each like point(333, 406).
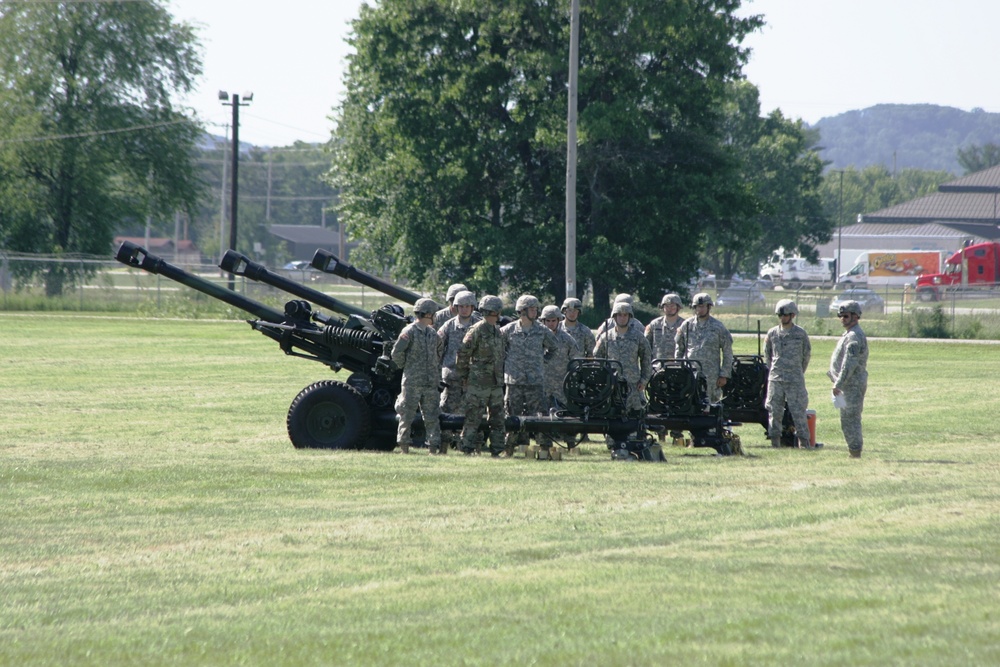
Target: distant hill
point(918, 136)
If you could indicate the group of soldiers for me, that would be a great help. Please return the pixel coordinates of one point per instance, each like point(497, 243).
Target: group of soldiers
point(460, 360)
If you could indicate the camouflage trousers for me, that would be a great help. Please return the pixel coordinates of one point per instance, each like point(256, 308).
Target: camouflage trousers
point(524, 400)
point(711, 379)
point(452, 402)
point(480, 402)
point(424, 399)
point(850, 416)
point(797, 398)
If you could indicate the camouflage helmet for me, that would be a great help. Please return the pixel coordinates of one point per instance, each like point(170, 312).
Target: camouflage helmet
point(786, 307)
point(849, 307)
point(552, 313)
point(621, 307)
point(671, 298)
point(572, 302)
point(453, 290)
point(627, 298)
point(702, 299)
point(526, 301)
point(465, 298)
point(425, 307)
point(490, 304)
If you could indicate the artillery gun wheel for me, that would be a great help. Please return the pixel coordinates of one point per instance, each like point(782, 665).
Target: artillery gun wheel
point(329, 415)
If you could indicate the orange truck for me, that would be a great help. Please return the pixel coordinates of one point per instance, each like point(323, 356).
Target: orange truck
point(891, 267)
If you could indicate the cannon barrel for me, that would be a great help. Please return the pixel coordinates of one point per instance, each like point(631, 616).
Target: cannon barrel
point(241, 265)
point(138, 257)
point(327, 262)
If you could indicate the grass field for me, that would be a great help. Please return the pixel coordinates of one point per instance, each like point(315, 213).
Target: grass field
point(155, 513)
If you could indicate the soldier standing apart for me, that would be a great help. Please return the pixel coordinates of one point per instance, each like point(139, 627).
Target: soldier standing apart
point(580, 332)
point(557, 361)
point(527, 341)
point(417, 352)
point(786, 352)
point(451, 334)
point(703, 338)
point(449, 311)
point(849, 374)
point(480, 366)
point(627, 345)
point(661, 334)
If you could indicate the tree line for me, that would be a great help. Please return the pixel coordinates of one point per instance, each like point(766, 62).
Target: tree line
point(448, 158)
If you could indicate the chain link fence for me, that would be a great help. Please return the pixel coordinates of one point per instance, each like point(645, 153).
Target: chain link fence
point(101, 284)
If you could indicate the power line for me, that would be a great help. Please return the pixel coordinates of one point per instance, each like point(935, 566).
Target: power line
point(96, 133)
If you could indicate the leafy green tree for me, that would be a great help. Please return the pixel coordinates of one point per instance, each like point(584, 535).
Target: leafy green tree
point(874, 188)
point(782, 173)
point(89, 136)
point(450, 144)
point(977, 158)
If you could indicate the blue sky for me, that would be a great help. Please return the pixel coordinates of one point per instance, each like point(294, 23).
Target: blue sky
point(815, 58)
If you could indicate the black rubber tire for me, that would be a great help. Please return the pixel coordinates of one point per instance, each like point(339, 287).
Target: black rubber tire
point(329, 415)
point(926, 295)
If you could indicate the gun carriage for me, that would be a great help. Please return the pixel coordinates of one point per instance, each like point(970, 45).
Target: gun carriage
point(358, 413)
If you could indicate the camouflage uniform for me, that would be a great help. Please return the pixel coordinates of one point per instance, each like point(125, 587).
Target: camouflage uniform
point(524, 372)
point(556, 364)
point(480, 367)
point(583, 336)
point(787, 353)
point(417, 352)
point(849, 373)
point(451, 334)
point(661, 335)
point(704, 342)
point(633, 351)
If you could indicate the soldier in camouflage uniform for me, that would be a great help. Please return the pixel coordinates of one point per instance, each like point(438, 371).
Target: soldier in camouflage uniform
point(849, 374)
point(557, 362)
point(786, 352)
point(572, 325)
point(662, 332)
point(609, 323)
point(703, 338)
point(627, 345)
point(449, 311)
point(451, 333)
point(417, 352)
point(480, 366)
point(527, 341)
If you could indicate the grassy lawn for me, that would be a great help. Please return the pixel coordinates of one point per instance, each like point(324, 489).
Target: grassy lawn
point(155, 513)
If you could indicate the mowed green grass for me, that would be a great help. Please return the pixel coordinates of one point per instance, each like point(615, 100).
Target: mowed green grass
point(154, 512)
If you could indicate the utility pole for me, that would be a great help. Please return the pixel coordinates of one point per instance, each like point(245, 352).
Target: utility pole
point(235, 104)
point(571, 116)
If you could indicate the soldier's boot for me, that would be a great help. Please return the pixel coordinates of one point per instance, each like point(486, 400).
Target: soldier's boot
point(544, 454)
point(855, 453)
point(443, 449)
point(776, 441)
point(404, 448)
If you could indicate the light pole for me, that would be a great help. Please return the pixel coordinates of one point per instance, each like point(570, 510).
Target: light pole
point(574, 63)
point(235, 104)
point(840, 226)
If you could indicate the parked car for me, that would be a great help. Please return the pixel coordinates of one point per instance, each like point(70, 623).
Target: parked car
point(870, 301)
point(739, 297)
point(301, 270)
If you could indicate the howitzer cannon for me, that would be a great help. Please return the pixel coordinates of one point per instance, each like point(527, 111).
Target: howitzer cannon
point(327, 414)
point(359, 412)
